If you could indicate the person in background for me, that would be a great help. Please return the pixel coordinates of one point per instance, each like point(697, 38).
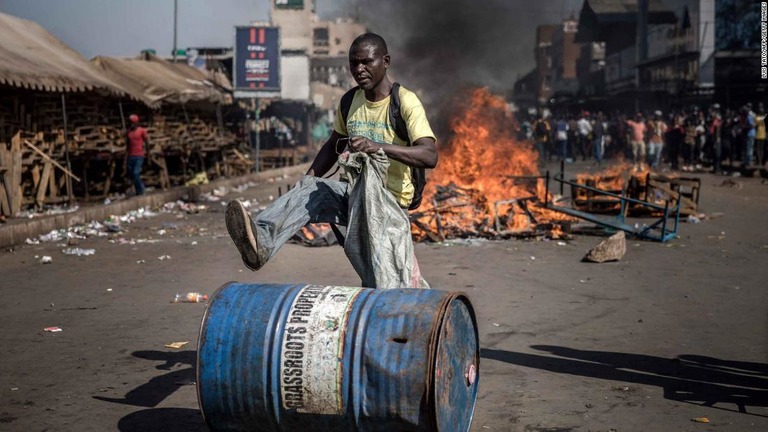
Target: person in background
point(675, 140)
point(137, 141)
point(585, 131)
point(728, 135)
point(526, 129)
point(716, 135)
point(656, 142)
point(561, 138)
point(542, 132)
point(701, 140)
point(598, 138)
point(689, 147)
point(637, 139)
point(760, 135)
point(573, 139)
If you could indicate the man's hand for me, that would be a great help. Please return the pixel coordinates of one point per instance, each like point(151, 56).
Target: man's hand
point(362, 144)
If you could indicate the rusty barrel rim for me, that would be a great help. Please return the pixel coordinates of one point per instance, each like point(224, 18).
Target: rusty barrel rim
point(454, 374)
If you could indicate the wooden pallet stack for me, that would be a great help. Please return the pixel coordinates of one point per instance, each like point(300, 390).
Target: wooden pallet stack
point(184, 142)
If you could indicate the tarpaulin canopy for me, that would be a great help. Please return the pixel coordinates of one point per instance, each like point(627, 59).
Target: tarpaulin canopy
point(155, 81)
point(30, 57)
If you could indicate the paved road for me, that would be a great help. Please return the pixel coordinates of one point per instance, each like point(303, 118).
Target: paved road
point(671, 333)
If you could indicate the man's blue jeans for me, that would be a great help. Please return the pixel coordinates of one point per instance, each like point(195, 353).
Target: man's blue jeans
point(748, 151)
point(654, 153)
point(597, 149)
point(133, 166)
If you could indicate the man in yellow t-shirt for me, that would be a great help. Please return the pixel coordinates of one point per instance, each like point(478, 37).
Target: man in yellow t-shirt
point(367, 130)
point(760, 135)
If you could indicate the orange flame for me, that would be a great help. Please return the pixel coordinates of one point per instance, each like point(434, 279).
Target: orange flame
point(481, 168)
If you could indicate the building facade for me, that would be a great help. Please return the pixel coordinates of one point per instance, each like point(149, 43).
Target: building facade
point(543, 56)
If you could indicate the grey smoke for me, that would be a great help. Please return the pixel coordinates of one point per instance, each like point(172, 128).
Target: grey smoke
point(441, 46)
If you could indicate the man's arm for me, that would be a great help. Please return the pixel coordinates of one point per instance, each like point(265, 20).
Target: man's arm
point(326, 157)
point(422, 153)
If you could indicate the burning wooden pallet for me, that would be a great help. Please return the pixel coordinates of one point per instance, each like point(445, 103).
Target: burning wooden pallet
point(459, 212)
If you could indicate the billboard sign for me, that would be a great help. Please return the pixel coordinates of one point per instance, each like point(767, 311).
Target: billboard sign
point(289, 4)
point(257, 62)
point(737, 25)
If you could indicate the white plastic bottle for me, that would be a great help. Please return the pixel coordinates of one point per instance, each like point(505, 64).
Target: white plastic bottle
point(191, 297)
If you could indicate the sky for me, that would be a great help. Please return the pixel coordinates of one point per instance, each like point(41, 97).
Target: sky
point(124, 28)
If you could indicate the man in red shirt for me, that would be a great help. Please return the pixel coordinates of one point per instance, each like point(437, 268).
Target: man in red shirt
point(136, 138)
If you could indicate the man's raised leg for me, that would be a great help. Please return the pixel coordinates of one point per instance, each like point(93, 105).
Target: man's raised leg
point(258, 236)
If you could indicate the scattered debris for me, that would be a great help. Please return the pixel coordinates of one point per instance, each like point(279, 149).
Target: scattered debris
point(140, 262)
point(315, 235)
point(79, 251)
point(53, 329)
point(700, 420)
point(164, 257)
point(692, 219)
point(176, 345)
point(46, 259)
point(611, 249)
point(192, 297)
point(730, 183)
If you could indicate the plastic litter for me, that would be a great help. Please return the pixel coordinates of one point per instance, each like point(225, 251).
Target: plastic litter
point(176, 345)
point(46, 259)
point(191, 297)
point(53, 329)
point(79, 251)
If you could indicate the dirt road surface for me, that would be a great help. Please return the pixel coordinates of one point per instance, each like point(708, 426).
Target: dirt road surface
point(672, 333)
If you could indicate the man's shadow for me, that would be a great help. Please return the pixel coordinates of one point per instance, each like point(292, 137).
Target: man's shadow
point(151, 393)
point(698, 380)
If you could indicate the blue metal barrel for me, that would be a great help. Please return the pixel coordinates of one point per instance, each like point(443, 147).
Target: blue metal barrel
point(326, 358)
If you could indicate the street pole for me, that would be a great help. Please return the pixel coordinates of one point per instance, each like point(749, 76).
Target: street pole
point(175, 26)
point(641, 45)
point(256, 115)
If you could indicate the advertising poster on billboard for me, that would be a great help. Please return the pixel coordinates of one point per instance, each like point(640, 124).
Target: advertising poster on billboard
point(257, 62)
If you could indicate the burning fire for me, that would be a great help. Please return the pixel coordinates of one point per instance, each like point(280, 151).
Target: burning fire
point(481, 169)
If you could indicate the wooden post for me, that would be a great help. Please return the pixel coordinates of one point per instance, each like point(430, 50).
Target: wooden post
point(13, 175)
point(66, 150)
point(5, 160)
point(108, 182)
point(43, 184)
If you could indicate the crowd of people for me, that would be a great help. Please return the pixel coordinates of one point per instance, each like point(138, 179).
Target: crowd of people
point(723, 141)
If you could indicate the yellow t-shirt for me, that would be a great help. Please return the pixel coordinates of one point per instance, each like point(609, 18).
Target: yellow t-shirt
point(371, 120)
point(760, 125)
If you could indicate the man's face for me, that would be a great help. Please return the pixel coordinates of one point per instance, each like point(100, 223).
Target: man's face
point(368, 65)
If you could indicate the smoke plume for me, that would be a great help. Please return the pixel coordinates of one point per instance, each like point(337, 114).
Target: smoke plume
point(439, 47)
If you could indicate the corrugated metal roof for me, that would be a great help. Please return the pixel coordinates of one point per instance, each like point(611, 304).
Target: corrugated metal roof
point(624, 6)
point(155, 81)
point(607, 6)
point(32, 58)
